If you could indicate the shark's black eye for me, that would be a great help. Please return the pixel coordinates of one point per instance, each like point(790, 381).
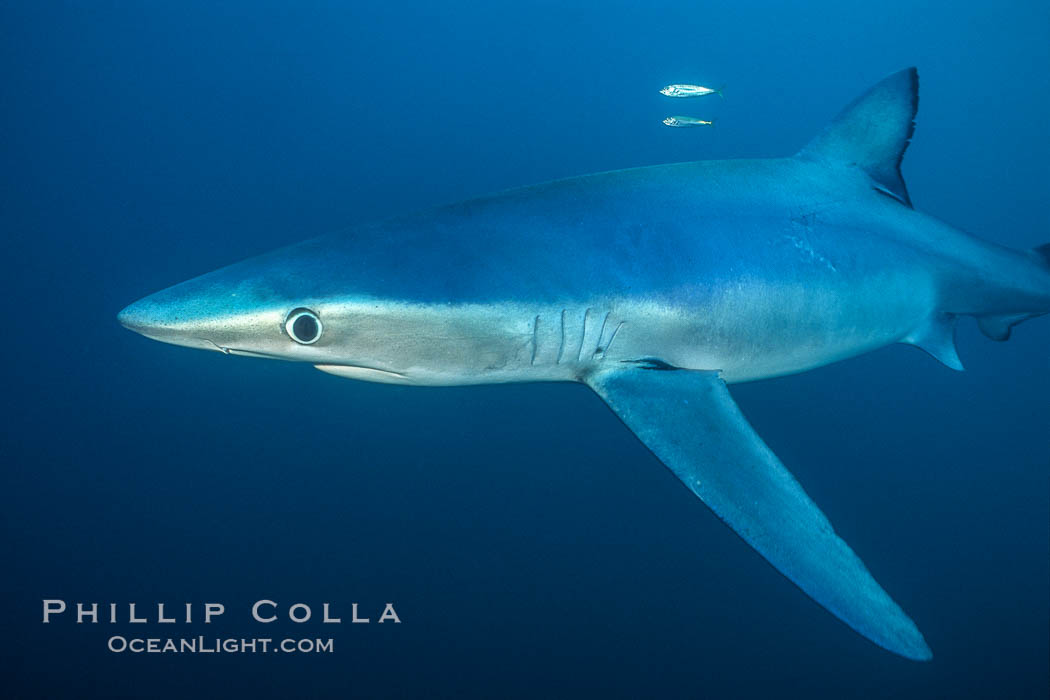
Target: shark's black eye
point(303, 326)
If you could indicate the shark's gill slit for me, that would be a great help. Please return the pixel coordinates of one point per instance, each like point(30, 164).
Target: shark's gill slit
point(608, 345)
point(535, 338)
point(561, 342)
point(583, 334)
point(598, 348)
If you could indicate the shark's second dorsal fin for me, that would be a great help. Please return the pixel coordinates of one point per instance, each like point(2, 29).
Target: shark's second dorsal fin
point(872, 132)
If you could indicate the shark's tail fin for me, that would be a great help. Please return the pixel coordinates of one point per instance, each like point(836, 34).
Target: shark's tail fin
point(999, 327)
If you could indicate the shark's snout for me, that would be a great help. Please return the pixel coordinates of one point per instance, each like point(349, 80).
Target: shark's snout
point(165, 320)
point(156, 319)
point(136, 317)
point(212, 312)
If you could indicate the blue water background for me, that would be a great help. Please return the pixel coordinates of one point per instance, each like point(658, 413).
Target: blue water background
point(531, 545)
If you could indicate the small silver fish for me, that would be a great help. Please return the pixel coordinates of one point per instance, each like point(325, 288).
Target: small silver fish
point(688, 121)
point(679, 90)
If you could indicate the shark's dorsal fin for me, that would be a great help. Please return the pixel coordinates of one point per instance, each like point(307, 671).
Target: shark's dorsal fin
point(872, 133)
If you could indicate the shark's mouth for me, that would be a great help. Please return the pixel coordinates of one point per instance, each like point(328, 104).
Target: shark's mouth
point(225, 350)
point(368, 374)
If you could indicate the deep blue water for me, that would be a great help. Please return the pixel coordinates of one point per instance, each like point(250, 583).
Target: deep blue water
point(531, 546)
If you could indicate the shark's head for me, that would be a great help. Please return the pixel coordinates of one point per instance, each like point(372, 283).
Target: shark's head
point(356, 306)
point(244, 309)
point(296, 303)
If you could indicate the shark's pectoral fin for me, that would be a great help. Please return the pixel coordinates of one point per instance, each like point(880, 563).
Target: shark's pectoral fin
point(872, 133)
point(690, 422)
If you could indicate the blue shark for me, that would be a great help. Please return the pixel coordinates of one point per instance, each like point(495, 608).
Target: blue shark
point(656, 287)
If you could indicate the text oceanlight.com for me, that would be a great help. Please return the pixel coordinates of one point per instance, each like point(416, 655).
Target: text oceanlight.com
point(203, 645)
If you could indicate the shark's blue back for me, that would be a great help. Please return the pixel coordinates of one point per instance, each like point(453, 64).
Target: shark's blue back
point(670, 230)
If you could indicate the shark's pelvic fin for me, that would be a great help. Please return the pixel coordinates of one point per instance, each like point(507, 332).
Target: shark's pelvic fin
point(1001, 327)
point(690, 422)
point(873, 131)
point(937, 337)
